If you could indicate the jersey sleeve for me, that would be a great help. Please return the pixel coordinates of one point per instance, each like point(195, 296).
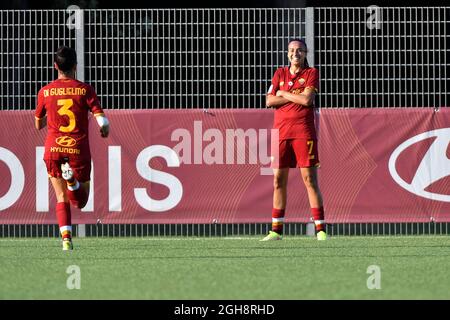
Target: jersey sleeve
point(40, 107)
point(275, 86)
point(93, 102)
point(313, 80)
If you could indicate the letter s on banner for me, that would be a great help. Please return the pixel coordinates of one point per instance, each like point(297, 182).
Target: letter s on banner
point(156, 176)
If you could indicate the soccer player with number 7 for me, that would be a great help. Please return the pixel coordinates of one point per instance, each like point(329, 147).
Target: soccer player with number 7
point(292, 95)
point(63, 106)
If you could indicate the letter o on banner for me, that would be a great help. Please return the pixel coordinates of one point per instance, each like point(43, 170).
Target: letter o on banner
point(17, 178)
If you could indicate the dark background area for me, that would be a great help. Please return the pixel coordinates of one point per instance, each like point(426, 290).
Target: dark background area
point(353, 73)
point(104, 4)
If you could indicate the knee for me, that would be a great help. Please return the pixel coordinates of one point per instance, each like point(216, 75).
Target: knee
point(279, 182)
point(61, 196)
point(310, 182)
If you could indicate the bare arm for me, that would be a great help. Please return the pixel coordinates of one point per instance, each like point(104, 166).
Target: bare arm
point(275, 101)
point(306, 98)
point(40, 123)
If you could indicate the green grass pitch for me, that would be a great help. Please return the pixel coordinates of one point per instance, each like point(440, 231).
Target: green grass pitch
point(297, 268)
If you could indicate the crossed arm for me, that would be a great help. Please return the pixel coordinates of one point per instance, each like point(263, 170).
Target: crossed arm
point(306, 98)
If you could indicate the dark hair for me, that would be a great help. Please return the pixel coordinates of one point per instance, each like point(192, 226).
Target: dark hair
point(65, 58)
point(306, 64)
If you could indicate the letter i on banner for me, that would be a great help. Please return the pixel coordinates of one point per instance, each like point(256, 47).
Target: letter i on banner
point(115, 178)
point(90, 203)
point(41, 182)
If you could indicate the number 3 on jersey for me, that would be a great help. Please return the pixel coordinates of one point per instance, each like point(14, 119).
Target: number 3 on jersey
point(64, 111)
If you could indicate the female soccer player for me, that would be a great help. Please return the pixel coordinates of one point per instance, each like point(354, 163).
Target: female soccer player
point(292, 96)
point(64, 106)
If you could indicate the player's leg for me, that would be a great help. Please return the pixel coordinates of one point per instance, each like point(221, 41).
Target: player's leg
point(280, 180)
point(63, 213)
point(309, 176)
point(279, 203)
point(77, 189)
point(83, 197)
point(307, 156)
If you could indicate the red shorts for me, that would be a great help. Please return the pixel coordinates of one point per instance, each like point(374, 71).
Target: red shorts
point(296, 153)
point(81, 169)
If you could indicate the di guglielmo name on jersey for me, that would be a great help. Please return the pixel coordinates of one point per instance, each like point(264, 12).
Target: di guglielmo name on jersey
point(65, 92)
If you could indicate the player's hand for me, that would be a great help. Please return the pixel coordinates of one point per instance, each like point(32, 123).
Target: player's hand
point(40, 123)
point(280, 93)
point(104, 131)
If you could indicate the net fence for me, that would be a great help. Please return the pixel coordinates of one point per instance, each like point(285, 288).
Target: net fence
point(225, 58)
point(383, 57)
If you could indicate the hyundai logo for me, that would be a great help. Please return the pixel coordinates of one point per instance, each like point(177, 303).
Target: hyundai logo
point(435, 164)
point(66, 141)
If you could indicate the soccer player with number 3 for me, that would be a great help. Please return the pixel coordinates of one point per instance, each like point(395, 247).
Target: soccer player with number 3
point(292, 95)
point(64, 106)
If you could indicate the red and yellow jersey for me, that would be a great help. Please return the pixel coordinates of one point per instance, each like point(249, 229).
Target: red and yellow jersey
point(291, 119)
point(67, 103)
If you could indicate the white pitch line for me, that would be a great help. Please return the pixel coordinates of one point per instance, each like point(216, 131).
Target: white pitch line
point(181, 239)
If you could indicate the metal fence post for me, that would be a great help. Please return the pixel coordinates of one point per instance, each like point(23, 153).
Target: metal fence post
point(76, 21)
point(309, 38)
point(309, 34)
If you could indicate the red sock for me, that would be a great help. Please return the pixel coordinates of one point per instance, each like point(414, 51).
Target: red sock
point(79, 197)
point(64, 219)
point(319, 218)
point(277, 220)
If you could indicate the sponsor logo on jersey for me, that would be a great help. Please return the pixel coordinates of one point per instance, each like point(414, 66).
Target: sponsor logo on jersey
point(65, 150)
point(66, 141)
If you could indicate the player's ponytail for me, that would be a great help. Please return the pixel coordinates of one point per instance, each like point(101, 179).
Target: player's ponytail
point(305, 63)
